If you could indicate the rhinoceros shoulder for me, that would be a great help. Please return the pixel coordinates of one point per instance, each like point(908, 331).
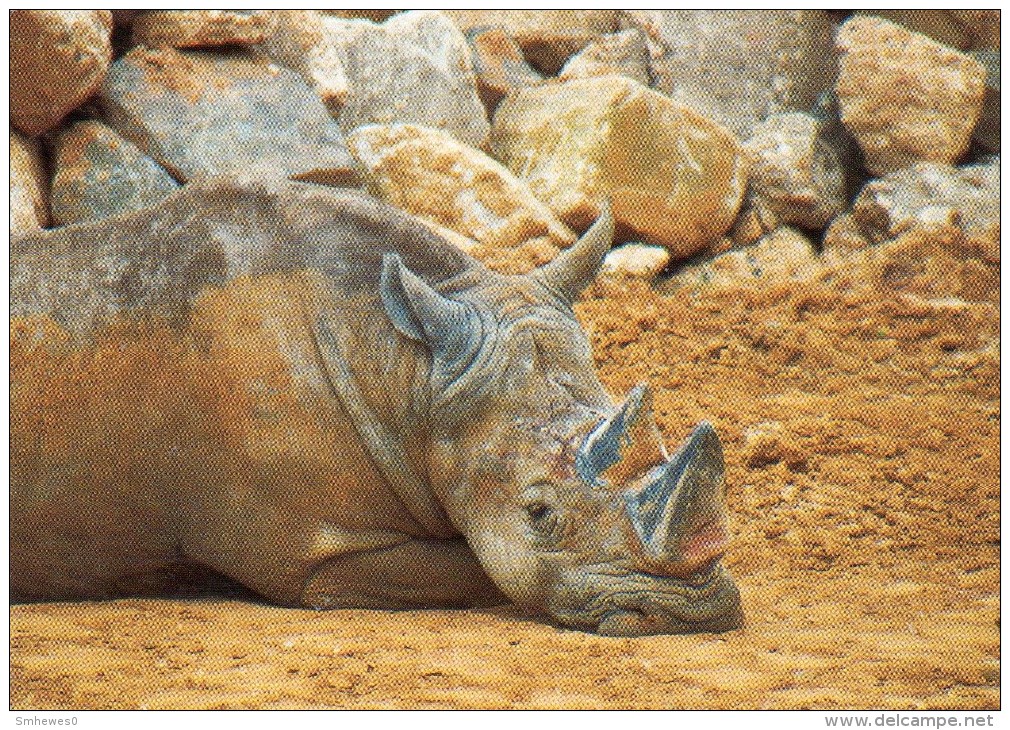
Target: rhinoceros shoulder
point(158, 259)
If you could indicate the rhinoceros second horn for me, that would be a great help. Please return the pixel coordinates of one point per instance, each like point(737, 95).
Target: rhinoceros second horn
point(572, 269)
point(626, 444)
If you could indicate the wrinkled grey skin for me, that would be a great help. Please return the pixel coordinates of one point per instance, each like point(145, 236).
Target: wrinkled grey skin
point(461, 449)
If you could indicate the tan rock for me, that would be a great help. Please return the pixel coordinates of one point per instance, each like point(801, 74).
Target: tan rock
point(795, 173)
point(28, 186)
point(754, 221)
point(499, 65)
point(922, 269)
point(674, 178)
point(196, 28)
point(964, 30)
point(548, 37)
point(625, 53)
point(637, 260)
point(298, 39)
point(427, 173)
point(940, 25)
point(769, 443)
point(904, 97)
point(783, 255)
point(58, 59)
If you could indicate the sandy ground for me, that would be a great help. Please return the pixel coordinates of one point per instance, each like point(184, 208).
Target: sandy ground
point(861, 429)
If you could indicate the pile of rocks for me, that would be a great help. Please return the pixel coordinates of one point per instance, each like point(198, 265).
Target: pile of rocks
point(722, 138)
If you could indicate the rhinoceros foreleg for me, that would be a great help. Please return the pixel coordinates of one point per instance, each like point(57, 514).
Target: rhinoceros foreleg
point(420, 573)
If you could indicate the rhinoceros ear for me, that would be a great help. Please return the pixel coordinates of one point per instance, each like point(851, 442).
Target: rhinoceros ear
point(572, 269)
point(450, 329)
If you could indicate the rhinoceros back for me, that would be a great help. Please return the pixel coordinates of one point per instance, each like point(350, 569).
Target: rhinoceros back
point(159, 259)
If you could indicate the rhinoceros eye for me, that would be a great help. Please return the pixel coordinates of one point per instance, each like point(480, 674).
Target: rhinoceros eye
point(544, 520)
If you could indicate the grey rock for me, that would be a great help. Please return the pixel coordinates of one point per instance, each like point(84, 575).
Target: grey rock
point(500, 66)
point(925, 197)
point(414, 68)
point(200, 113)
point(739, 66)
point(98, 174)
point(625, 53)
point(987, 131)
point(795, 172)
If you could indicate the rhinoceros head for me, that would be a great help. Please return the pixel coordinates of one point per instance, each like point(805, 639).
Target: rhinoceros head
point(572, 505)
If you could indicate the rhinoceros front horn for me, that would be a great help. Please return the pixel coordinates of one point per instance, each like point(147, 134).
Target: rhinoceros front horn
point(572, 269)
point(678, 514)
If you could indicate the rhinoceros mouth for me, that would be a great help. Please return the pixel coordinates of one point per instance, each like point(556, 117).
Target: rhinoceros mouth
point(642, 604)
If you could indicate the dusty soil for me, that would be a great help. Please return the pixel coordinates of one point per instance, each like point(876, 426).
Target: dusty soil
point(861, 429)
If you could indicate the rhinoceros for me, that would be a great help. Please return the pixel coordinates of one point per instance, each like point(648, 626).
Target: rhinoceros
point(309, 392)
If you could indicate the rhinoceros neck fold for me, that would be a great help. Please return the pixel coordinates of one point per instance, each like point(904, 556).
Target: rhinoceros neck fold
point(411, 487)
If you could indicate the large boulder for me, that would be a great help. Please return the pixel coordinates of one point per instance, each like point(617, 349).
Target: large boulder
point(58, 59)
point(739, 66)
point(199, 113)
point(674, 177)
point(414, 68)
point(28, 186)
point(98, 174)
point(904, 97)
point(427, 173)
point(925, 197)
point(197, 28)
point(548, 37)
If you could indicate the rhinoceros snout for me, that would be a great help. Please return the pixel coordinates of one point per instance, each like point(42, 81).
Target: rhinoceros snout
point(648, 619)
